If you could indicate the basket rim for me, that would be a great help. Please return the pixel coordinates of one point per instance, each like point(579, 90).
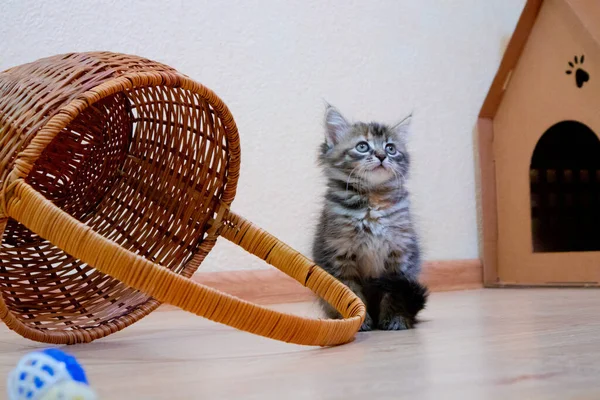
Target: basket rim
point(27, 157)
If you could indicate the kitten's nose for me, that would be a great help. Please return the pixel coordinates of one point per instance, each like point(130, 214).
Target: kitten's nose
point(381, 156)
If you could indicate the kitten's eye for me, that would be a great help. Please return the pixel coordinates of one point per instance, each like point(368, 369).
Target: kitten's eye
point(362, 147)
point(390, 148)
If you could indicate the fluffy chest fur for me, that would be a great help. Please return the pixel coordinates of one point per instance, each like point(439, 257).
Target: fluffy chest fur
point(378, 237)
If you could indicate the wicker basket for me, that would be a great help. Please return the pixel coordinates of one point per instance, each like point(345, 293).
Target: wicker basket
point(116, 177)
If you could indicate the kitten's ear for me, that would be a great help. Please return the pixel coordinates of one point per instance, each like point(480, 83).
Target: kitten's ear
point(402, 128)
point(336, 126)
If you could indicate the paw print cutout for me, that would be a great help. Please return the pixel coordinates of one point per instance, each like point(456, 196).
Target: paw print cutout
point(581, 76)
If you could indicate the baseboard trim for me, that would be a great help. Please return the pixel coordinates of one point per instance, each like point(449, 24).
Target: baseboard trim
point(270, 286)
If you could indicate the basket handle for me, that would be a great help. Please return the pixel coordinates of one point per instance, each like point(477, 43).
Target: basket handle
point(41, 216)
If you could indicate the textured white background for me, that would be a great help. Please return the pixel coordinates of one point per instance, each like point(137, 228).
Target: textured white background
point(274, 62)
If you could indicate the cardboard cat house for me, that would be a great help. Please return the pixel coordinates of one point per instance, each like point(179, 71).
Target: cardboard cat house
point(539, 150)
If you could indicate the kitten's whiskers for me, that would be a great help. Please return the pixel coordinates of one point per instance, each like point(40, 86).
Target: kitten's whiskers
point(397, 178)
point(350, 177)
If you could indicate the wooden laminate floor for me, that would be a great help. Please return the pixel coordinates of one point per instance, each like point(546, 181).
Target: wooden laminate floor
point(480, 344)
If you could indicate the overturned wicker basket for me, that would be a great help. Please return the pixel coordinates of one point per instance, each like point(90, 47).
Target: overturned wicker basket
point(116, 176)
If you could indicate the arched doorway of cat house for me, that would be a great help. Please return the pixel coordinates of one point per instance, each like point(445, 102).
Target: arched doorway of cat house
point(565, 189)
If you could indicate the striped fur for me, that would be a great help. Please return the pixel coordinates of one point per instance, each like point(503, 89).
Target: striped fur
point(365, 236)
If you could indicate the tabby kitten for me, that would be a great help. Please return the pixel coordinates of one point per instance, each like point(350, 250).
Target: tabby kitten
point(365, 236)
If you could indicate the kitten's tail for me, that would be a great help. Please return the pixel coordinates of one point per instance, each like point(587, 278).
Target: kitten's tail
point(408, 296)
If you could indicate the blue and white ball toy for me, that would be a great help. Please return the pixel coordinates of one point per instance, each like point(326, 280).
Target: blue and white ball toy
point(49, 375)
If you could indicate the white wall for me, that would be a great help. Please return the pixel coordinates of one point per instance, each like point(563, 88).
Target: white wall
point(273, 62)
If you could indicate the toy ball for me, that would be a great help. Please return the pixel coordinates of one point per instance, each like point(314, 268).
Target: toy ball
point(49, 375)
point(69, 390)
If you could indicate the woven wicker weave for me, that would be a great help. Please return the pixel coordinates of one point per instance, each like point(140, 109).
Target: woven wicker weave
point(116, 176)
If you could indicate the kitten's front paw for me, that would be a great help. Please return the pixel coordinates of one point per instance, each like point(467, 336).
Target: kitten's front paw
point(394, 324)
point(367, 325)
